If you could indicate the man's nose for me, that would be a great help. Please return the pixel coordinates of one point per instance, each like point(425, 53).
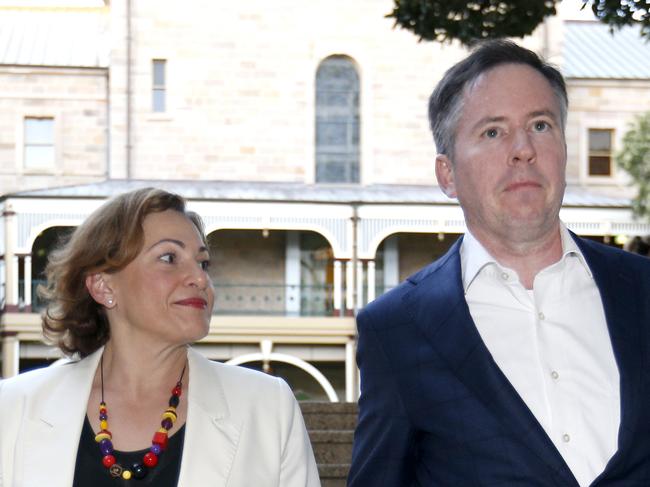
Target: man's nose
point(523, 150)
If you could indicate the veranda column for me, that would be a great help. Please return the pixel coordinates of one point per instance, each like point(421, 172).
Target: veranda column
point(27, 291)
point(338, 288)
point(11, 263)
point(14, 284)
point(349, 288)
point(371, 280)
point(10, 354)
point(350, 372)
point(292, 274)
point(360, 302)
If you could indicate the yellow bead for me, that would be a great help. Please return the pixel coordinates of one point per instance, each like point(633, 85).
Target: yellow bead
point(102, 436)
point(103, 424)
point(162, 430)
point(170, 415)
point(126, 475)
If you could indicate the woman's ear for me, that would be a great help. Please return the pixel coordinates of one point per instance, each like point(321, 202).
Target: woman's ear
point(100, 290)
point(445, 175)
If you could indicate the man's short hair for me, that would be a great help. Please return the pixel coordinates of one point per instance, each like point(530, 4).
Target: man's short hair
point(446, 101)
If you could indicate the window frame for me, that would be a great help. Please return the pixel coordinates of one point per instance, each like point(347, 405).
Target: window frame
point(161, 88)
point(20, 143)
point(352, 122)
point(596, 153)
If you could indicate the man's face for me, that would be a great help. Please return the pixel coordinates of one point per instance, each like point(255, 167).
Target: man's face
point(509, 158)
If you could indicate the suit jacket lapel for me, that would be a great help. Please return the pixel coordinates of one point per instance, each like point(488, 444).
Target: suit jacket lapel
point(211, 437)
point(55, 417)
point(56, 414)
point(439, 308)
point(622, 303)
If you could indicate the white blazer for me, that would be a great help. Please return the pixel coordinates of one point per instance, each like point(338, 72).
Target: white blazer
point(243, 428)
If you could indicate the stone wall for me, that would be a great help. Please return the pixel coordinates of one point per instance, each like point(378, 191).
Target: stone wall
point(248, 270)
point(241, 80)
point(76, 99)
point(602, 104)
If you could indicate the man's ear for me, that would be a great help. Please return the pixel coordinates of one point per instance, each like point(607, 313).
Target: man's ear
point(445, 175)
point(99, 288)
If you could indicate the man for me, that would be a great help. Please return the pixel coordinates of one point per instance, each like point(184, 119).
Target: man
point(519, 357)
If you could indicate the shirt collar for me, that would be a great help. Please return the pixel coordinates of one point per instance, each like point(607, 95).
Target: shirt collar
point(474, 257)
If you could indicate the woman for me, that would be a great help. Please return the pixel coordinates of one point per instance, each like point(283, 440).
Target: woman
point(127, 295)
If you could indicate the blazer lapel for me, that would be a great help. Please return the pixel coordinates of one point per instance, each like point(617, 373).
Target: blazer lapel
point(53, 425)
point(439, 309)
point(621, 301)
point(211, 438)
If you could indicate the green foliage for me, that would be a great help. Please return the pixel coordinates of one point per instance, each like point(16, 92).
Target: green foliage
point(634, 158)
point(472, 21)
point(619, 13)
point(445, 20)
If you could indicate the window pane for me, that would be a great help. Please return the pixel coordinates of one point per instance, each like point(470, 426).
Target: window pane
point(600, 152)
point(335, 99)
point(39, 131)
point(600, 166)
point(159, 72)
point(36, 157)
point(158, 100)
point(337, 168)
point(600, 140)
point(337, 73)
point(331, 134)
point(337, 121)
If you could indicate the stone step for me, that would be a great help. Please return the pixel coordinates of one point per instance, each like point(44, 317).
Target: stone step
point(333, 475)
point(329, 415)
point(332, 447)
point(331, 431)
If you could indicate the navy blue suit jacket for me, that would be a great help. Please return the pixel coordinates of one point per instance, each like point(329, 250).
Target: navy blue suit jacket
point(436, 410)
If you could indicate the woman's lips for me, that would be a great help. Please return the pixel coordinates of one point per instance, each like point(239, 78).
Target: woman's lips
point(194, 303)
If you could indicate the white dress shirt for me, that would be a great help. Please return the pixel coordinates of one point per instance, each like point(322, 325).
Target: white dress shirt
point(553, 345)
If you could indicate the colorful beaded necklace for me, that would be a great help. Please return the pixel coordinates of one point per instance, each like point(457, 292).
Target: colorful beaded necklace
point(158, 443)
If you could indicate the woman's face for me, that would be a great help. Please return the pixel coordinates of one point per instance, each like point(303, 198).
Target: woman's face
point(165, 293)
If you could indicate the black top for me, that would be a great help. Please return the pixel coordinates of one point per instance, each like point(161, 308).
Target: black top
point(90, 472)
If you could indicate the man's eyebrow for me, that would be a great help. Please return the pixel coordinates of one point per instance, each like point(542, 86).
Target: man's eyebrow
point(540, 113)
point(486, 120)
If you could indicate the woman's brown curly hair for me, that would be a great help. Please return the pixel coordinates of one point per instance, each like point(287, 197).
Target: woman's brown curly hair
point(107, 241)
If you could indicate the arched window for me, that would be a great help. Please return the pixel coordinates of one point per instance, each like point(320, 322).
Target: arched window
point(337, 121)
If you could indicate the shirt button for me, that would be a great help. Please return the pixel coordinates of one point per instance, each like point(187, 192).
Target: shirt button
point(504, 276)
point(555, 375)
point(541, 315)
point(566, 438)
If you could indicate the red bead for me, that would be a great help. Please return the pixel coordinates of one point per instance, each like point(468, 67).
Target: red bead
point(176, 391)
point(160, 439)
point(108, 461)
point(150, 460)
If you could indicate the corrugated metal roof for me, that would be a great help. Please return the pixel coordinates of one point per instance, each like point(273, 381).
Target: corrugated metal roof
point(54, 37)
point(297, 192)
point(590, 51)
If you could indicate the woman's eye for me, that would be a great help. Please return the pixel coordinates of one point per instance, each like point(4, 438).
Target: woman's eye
point(168, 258)
point(205, 265)
point(491, 133)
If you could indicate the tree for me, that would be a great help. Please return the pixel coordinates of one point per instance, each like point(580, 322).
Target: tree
point(634, 158)
point(471, 21)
